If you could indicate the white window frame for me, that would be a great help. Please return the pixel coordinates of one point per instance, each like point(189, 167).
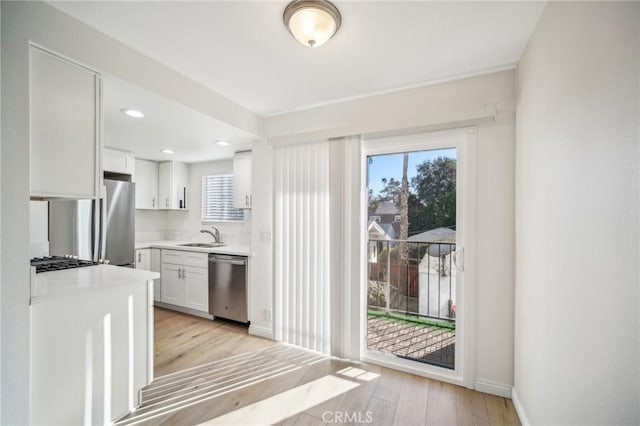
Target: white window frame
point(229, 212)
point(464, 141)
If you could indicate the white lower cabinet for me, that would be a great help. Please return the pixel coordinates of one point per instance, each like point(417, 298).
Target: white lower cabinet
point(197, 288)
point(143, 259)
point(155, 267)
point(174, 290)
point(185, 279)
point(149, 260)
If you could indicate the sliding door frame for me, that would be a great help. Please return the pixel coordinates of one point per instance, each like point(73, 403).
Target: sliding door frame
point(464, 140)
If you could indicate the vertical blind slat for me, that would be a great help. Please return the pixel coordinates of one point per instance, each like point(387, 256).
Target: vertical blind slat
point(302, 224)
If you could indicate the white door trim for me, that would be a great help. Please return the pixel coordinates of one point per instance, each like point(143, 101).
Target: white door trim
point(464, 140)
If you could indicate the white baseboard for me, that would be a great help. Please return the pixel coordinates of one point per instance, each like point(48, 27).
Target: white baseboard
point(261, 332)
point(524, 420)
point(493, 388)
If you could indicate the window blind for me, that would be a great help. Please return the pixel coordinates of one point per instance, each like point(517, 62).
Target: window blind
point(302, 268)
point(217, 200)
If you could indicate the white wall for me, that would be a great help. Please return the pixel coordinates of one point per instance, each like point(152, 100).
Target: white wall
point(577, 186)
point(447, 105)
point(1, 133)
point(150, 225)
point(261, 294)
point(14, 202)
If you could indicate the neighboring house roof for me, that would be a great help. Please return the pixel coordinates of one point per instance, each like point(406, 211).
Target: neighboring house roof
point(391, 229)
point(376, 232)
point(387, 207)
point(438, 235)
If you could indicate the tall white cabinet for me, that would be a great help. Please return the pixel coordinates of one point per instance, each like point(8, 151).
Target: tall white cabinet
point(242, 195)
point(65, 114)
point(146, 184)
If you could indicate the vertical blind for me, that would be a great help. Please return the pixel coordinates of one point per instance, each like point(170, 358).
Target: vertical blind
point(217, 200)
point(302, 267)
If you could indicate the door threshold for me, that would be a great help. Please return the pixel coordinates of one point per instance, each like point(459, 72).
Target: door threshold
point(395, 362)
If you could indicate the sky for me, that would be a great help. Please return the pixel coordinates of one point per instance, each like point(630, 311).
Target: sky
point(390, 166)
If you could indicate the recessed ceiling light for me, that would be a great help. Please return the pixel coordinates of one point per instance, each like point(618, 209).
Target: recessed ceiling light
point(132, 112)
point(223, 143)
point(168, 151)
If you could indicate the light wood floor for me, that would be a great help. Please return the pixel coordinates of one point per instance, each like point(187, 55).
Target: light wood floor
point(215, 373)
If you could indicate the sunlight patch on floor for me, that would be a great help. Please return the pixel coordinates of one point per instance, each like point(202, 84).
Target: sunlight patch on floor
point(287, 404)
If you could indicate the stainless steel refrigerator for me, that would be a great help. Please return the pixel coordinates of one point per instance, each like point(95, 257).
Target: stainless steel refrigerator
point(96, 229)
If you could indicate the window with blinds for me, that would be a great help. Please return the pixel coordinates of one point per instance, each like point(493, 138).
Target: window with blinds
point(217, 200)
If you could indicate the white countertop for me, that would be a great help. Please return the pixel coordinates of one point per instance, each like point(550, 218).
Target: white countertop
point(235, 249)
point(58, 283)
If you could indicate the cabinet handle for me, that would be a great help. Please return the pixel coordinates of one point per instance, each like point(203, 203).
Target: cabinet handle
point(139, 260)
point(179, 273)
point(153, 202)
point(166, 202)
point(246, 200)
point(251, 200)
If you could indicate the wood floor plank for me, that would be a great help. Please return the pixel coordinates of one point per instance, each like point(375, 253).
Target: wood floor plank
point(207, 369)
point(470, 407)
point(380, 411)
point(500, 411)
point(441, 404)
point(412, 403)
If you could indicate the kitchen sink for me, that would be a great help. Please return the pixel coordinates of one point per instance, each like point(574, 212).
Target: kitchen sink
point(203, 245)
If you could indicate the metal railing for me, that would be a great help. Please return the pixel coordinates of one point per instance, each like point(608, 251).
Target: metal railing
point(415, 278)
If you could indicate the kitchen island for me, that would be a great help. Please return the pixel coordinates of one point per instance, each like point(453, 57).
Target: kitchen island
point(91, 343)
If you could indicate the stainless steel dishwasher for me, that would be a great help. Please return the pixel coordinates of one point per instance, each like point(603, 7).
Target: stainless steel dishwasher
point(228, 287)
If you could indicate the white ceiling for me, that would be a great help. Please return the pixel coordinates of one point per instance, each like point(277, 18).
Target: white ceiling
point(166, 124)
point(242, 50)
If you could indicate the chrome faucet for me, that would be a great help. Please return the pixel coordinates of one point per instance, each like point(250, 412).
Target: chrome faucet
point(216, 235)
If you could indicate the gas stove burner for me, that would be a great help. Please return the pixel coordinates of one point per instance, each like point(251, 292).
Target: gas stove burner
point(58, 263)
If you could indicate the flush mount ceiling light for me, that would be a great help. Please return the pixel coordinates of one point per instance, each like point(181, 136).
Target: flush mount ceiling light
point(223, 143)
point(168, 151)
point(312, 22)
point(132, 113)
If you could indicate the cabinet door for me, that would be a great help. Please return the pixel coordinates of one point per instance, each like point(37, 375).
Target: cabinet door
point(155, 267)
point(146, 184)
point(118, 161)
point(179, 185)
point(64, 109)
point(197, 288)
point(164, 185)
point(242, 195)
point(143, 259)
point(173, 289)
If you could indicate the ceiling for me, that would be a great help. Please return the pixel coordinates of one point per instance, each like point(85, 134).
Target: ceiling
point(242, 50)
point(166, 124)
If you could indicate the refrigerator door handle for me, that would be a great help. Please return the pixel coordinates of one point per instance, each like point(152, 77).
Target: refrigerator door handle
point(96, 218)
point(103, 226)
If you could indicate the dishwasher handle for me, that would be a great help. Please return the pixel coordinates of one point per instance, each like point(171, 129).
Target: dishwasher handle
point(228, 259)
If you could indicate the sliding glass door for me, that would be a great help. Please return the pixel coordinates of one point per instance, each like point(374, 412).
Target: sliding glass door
point(415, 235)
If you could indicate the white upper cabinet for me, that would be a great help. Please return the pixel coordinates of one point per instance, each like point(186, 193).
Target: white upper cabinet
point(242, 180)
point(65, 114)
point(173, 184)
point(118, 162)
point(146, 184)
